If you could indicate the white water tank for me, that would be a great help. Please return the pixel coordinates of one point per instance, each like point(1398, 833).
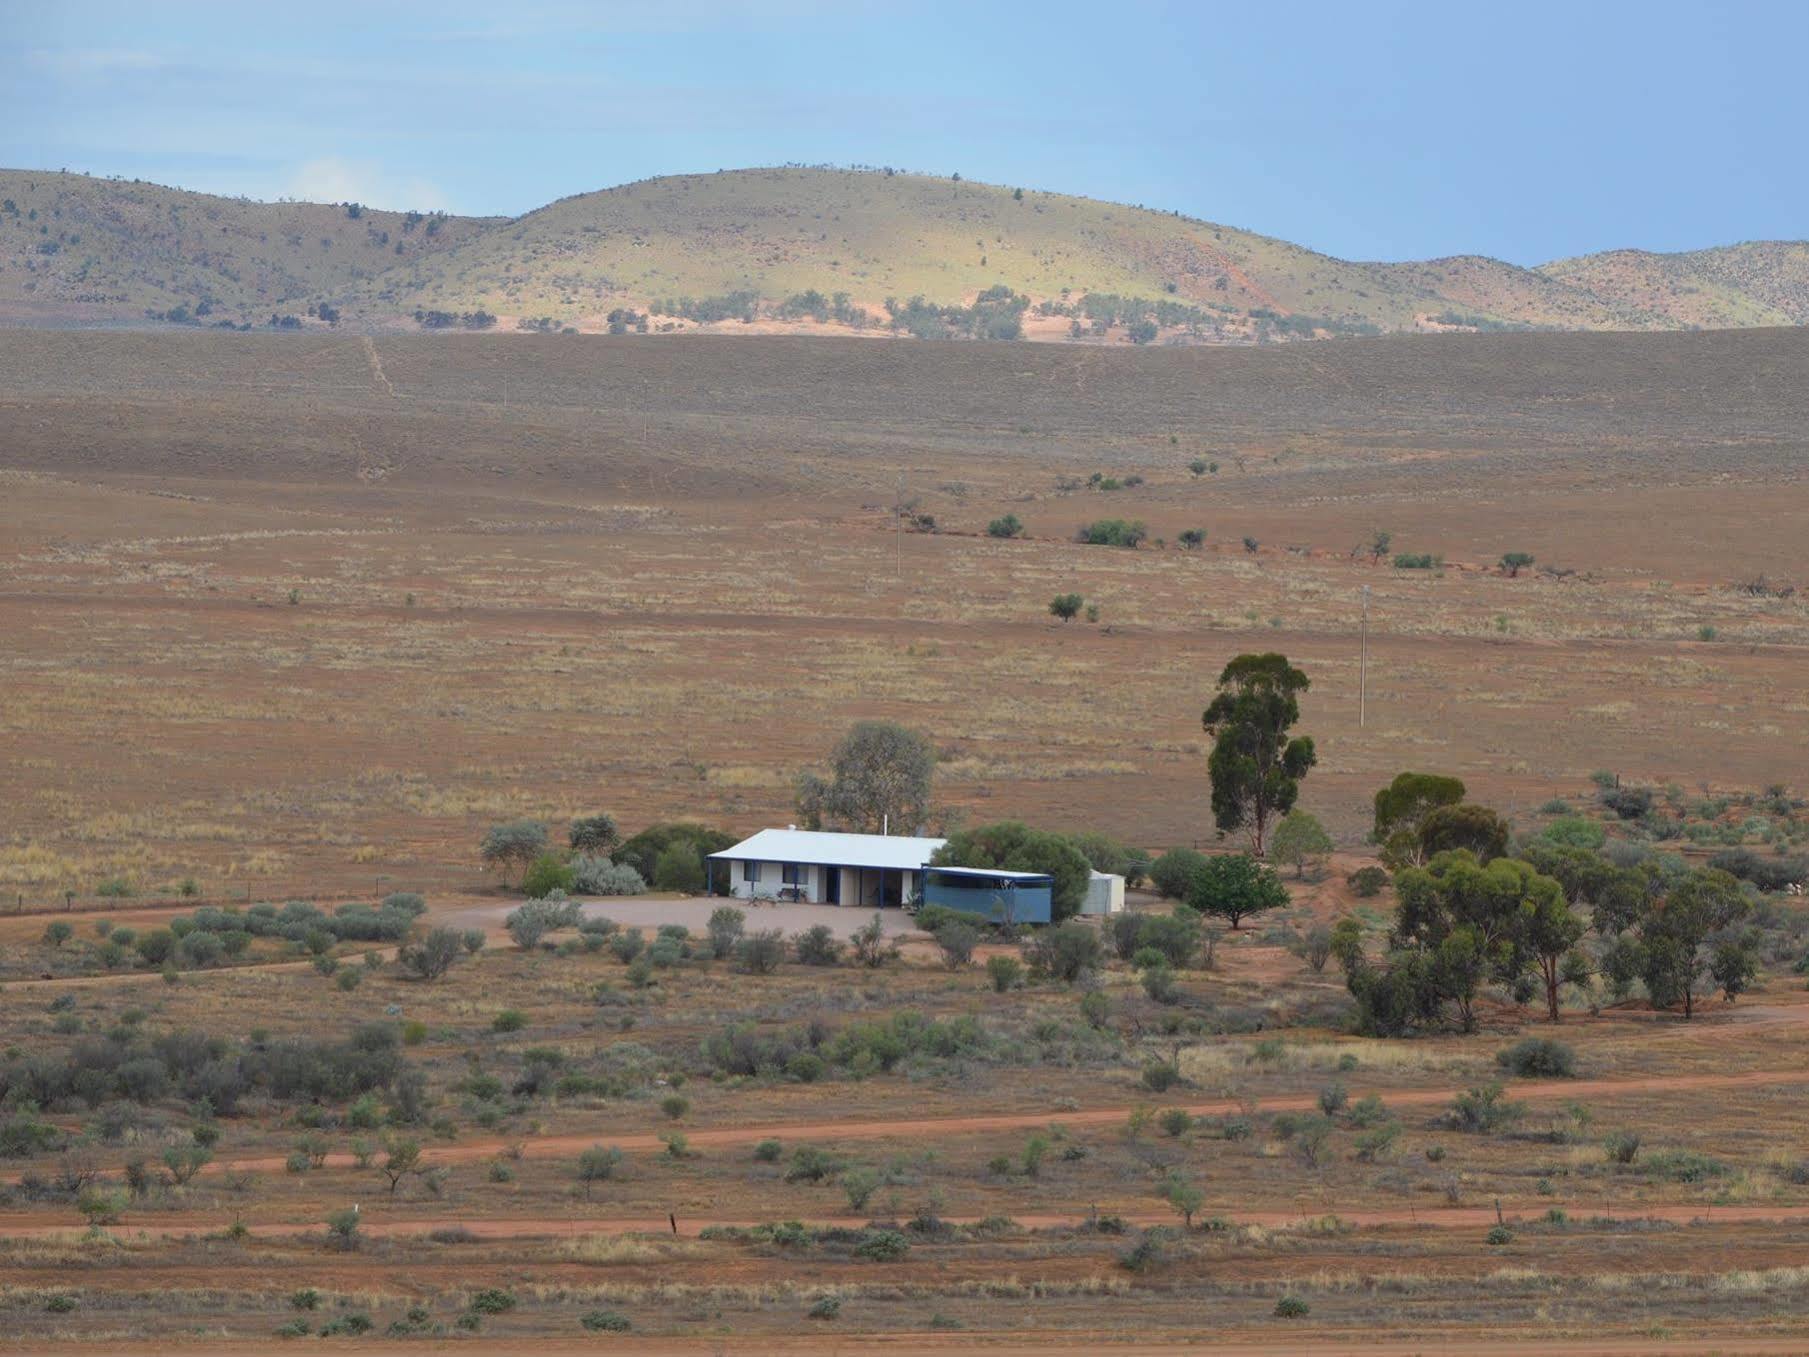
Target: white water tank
point(1105, 894)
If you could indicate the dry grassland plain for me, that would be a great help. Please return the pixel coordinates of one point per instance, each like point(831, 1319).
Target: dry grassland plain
point(301, 616)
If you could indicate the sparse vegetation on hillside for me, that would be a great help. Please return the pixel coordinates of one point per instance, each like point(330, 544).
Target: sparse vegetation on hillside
point(958, 258)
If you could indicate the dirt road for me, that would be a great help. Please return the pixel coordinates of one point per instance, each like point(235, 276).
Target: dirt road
point(547, 1147)
point(38, 1226)
point(1267, 1343)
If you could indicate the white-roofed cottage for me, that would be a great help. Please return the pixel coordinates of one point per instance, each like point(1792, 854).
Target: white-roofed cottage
point(868, 871)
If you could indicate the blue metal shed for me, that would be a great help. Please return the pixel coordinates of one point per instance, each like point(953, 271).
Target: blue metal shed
point(996, 896)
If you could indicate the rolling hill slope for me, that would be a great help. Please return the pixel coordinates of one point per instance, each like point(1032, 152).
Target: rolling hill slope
point(806, 248)
point(78, 250)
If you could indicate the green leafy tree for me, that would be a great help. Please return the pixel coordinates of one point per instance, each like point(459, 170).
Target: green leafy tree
point(401, 1158)
point(1347, 943)
point(880, 778)
point(1185, 1196)
point(1471, 828)
point(1066, 606)
point(595, 834)
point(512, 846)
point(1550, 930)
point(1516, 561)
point(1681, 933)
point(1233, 886)
point(1300, 839)
point(1475, 923)
point(1401, 806)
point(1012, 847)
point(1256, 766)
point(1106, 854)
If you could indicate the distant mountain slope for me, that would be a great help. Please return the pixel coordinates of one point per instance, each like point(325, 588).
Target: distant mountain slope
point(782, 232)
point(76, 249)
point(1758, 283)
point(806, 248)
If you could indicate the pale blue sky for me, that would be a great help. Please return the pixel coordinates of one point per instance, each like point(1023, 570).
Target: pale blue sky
point(1384, 130)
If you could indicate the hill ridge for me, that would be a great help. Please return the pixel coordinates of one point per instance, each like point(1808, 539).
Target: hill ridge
point(809, 248)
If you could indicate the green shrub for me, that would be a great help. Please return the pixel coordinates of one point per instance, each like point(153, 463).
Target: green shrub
point(342, 1228)
point(859, 1185)
point(509, 1020)
point(811, 1165)
point(1148, 1252)
point(605, 1321)
point(828, 1307)
point(1485, 1108)
point(1622, 1147)
point(1538, 1058)
point(598, 1164)
point(22, 1134)
point(1008, 526)
point(1291, 1307)
point(1066, 951)
point(679, 867)
point(1175, 1121)
point(768, 1151)
point(1174, 873)
point(1684, 1166)
point(1005, 972)
point(492, 1301)
point(724, 929)
point(760, 953)
point(1112, 532)
point(817, 946)
point(1499, 1235)
point(675, 1105)
point(957, 941)
point(1375, 1142)
point(1159, 984)
point(627, 945)
point(1367, 881)
point(1173, 937)
point(1161, 1075)
point(882, 1246)
point(547, 873)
